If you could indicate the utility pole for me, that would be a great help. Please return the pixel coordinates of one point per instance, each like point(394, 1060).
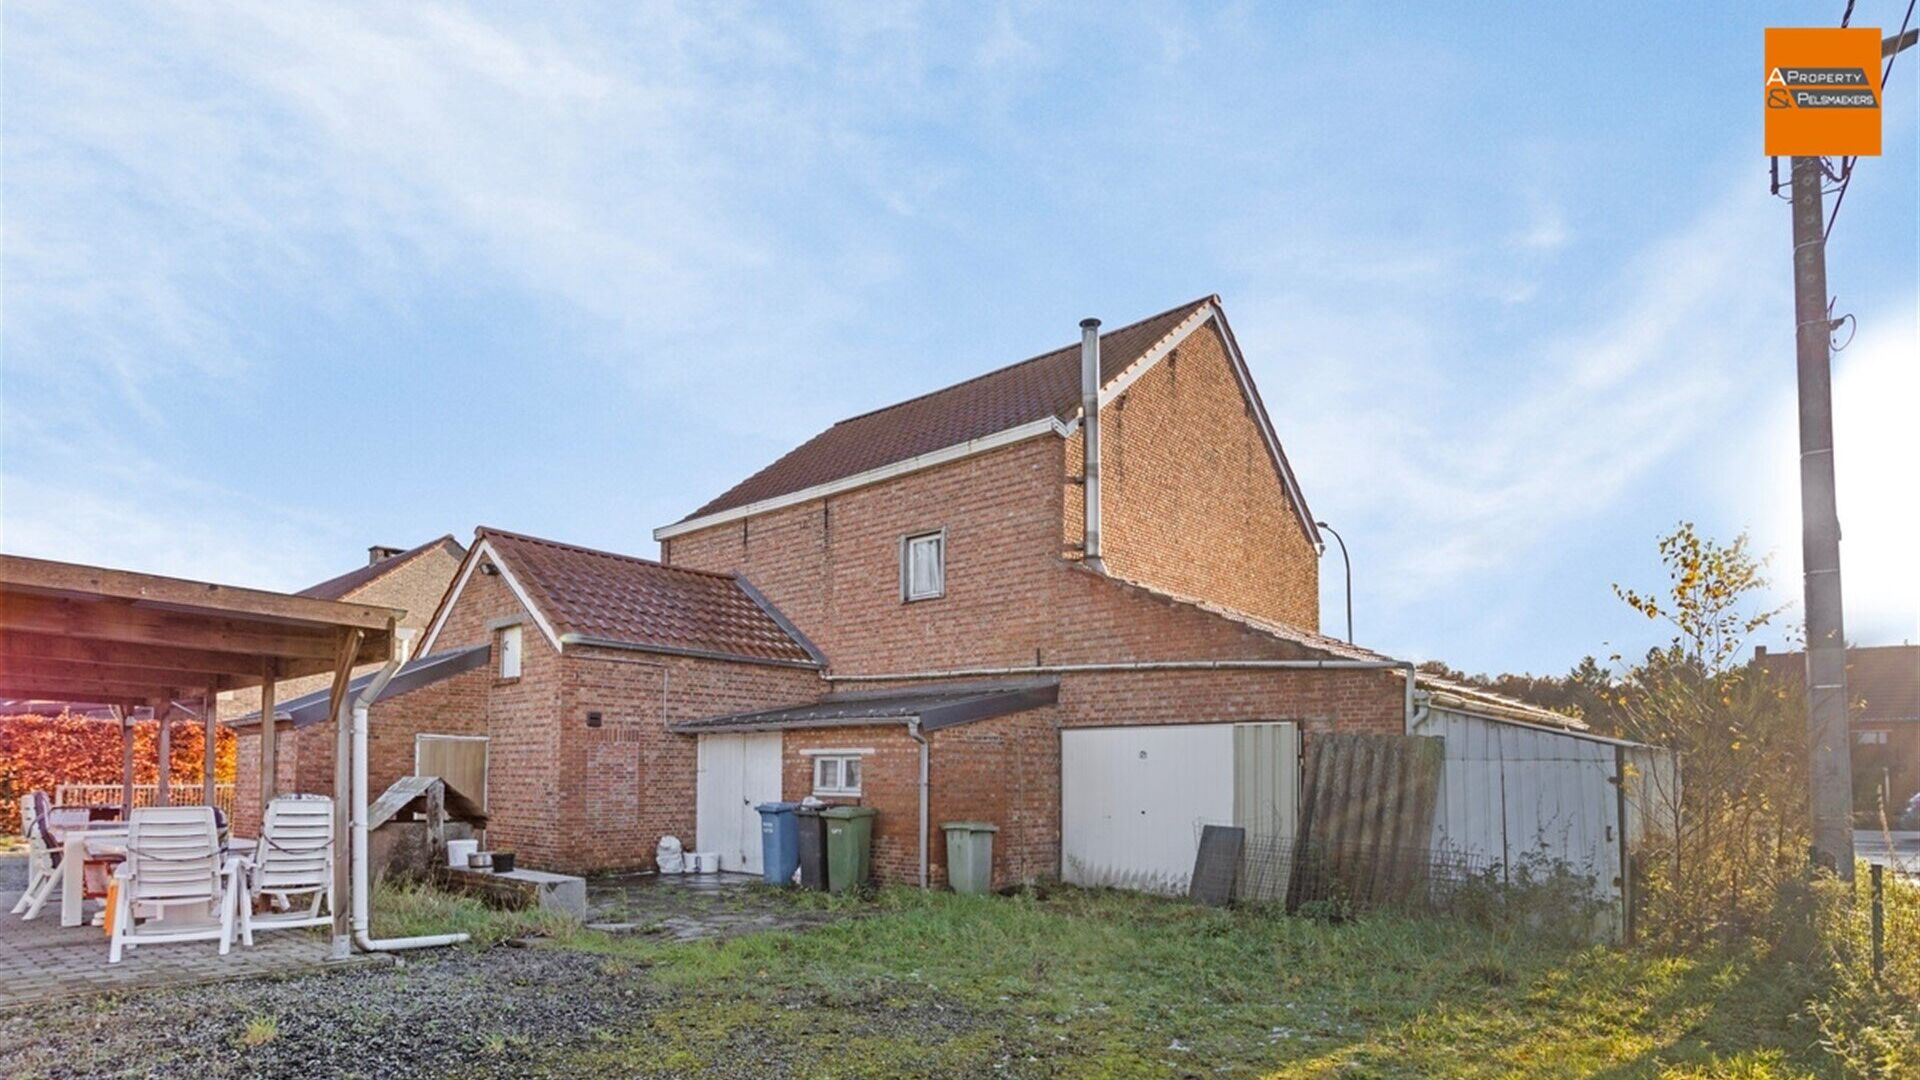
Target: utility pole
point(1831, 772)
point(1830, 744)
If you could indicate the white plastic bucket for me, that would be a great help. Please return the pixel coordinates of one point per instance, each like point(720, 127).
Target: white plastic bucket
point(706, 862)
point(458, 850)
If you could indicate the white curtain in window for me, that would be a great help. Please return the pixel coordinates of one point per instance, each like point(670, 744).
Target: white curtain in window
point(926, 574)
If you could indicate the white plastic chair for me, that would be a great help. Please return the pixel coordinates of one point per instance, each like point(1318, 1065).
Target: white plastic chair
point(294, 859)
point(173, 861)
point(43, 859)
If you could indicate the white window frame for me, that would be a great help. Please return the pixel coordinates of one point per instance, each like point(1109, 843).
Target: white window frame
point(840, 759)
point(907, 543)
point(1872, 738)
point(513, 644)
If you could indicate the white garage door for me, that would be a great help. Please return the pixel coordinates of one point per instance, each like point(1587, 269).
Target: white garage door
point(1133, 799)
point(736, 774)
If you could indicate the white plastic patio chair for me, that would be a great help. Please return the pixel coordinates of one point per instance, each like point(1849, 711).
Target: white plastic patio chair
point(43, 858)
point(173, 861)
point(293, 860)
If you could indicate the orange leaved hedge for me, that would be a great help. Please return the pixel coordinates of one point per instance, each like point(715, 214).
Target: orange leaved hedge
point(39, 753)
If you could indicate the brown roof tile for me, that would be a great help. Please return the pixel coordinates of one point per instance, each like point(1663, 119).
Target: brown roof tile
point(337, 587)
point(1046, 385)
point(640, 602)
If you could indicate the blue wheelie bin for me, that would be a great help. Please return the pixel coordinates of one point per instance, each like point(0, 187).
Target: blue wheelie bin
point(779, 842)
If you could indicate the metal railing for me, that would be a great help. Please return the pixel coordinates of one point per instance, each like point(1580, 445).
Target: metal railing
point(143, 795)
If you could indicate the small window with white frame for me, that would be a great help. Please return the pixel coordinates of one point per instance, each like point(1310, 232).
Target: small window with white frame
point(510, 643)
point(923, 566)
point(836, 774)
point(1870, 738)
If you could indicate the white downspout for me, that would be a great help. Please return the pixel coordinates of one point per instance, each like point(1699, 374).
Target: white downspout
point(362, 879)
point(913, 732)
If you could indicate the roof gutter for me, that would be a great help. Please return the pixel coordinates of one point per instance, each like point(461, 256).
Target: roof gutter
point(1046, 425)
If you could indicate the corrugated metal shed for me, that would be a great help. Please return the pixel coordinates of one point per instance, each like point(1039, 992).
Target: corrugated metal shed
point(1526, 796)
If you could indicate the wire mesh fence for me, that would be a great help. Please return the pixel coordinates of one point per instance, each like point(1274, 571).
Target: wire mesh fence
point(1336, 880)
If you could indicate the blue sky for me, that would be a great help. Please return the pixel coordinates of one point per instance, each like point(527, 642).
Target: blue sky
point(282, 281)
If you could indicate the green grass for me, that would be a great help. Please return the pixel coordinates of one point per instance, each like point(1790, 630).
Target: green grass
point(1098, 984)
point(1101, 984)
point(410, 910)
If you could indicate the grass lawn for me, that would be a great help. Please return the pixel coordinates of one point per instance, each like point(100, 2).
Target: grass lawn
point(1104, 984)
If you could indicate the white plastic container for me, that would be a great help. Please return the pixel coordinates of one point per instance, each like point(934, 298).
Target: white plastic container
point(458, 850)
point(706, 862)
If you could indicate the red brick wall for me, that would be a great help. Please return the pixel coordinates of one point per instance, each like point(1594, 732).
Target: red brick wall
point(1190, 500)
point(1007, 770)
point(629, 782)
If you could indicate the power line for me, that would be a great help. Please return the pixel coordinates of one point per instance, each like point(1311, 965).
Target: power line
point(1846, 164)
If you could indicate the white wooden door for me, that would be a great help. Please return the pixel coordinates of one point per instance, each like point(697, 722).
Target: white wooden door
point(736, 774)
point(1133, 799)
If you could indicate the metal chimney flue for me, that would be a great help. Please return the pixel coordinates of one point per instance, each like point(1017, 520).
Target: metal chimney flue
point(1090, 427)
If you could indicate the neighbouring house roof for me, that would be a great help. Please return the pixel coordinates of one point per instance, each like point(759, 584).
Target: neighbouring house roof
point(586, 597)
point(337, 587)
point(935, 707)
point(1037, 393)
point(1883, 680)
point(312, 708)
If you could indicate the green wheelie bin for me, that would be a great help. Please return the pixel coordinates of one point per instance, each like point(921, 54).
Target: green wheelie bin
point(970, 856)
point(849, 846)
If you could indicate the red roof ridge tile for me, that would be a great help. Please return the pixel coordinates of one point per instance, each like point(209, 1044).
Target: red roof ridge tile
point(488, 530)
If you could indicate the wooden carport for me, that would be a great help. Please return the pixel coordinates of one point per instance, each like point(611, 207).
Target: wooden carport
point(82, 633)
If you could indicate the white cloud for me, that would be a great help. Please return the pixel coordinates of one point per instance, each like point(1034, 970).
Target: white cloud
point(1457, 459)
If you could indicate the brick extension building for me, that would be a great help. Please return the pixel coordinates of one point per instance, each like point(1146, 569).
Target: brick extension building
point(908, 590)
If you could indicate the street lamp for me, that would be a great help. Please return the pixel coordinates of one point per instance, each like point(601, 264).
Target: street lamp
point(1349, 564)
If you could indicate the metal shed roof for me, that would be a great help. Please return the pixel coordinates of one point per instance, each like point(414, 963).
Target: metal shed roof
point(414, 674)
point(935, 707)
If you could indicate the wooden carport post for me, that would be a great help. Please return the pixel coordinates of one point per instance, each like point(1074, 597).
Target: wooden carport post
point(163, 790)
point(124, 713)
point(342, 792)
point(209, 741)
point(269, 750)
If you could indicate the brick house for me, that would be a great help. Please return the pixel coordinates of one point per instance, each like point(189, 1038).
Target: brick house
point(1883, 682)
point(412, 580)
point(905, 612)
point(940, 543)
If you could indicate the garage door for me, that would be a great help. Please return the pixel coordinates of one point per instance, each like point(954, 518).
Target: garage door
point(1133, 799)
point(736, 773)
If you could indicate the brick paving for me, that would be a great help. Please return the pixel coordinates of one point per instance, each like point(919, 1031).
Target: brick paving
point(40, 961)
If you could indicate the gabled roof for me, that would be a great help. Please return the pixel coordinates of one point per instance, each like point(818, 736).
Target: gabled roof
point(582, 596)
point(935, 707)
point(1883, 679)
point(337, 587)
point(1033, 397)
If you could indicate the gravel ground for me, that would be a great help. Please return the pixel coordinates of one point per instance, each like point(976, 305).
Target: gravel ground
point(501, 1012)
